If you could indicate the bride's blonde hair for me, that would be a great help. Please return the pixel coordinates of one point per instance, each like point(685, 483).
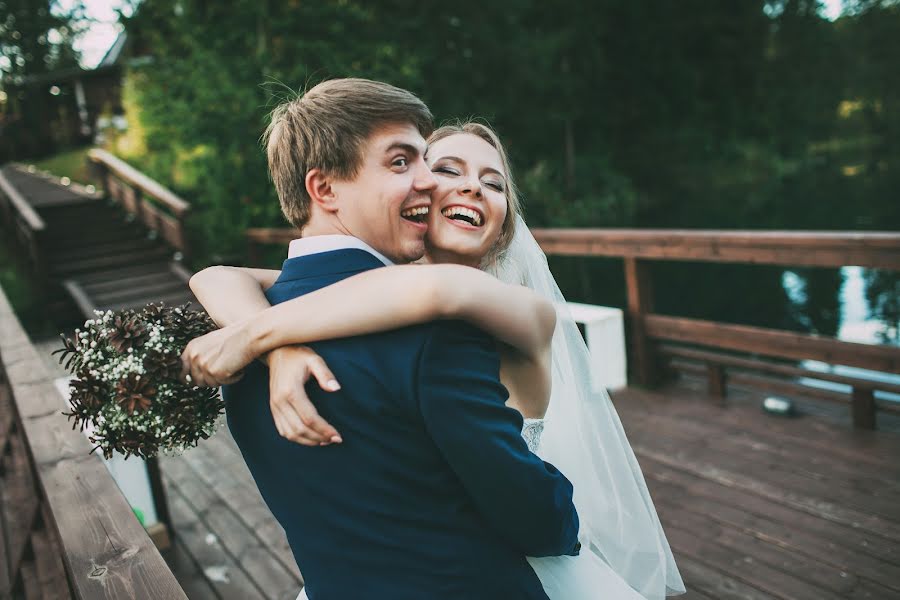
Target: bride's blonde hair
point(513, 206)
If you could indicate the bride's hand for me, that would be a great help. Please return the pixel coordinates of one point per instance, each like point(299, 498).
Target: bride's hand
point(296, 419)
point(217, 358)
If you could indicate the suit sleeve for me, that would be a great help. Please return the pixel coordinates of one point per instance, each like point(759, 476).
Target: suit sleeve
point(462, 402)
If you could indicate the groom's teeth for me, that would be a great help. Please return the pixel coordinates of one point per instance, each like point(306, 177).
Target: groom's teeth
point(412, 212)
point(461, 211)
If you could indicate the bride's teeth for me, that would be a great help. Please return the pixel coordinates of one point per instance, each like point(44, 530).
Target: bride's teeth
point(466, 212)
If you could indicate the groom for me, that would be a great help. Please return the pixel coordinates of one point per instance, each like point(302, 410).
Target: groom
point(433, 493)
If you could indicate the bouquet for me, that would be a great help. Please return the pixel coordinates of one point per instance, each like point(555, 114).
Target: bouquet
point(127, 392)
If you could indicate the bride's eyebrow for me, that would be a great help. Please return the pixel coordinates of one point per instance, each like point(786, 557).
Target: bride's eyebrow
point(451, 158)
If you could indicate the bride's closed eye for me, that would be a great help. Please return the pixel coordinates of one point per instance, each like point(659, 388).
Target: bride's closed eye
point(445, 169)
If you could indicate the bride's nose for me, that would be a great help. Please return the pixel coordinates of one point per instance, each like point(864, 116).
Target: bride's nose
point(471, 187)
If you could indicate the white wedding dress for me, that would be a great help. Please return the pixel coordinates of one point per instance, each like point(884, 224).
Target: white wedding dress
point(582, 577)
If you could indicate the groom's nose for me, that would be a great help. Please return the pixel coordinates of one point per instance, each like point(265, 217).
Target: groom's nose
point(425, 180)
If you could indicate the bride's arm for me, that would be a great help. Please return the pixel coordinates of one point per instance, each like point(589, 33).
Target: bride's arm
point(399, 296)
point(232, 294)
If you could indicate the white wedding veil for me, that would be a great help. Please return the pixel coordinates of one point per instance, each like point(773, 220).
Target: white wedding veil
point(584, 439)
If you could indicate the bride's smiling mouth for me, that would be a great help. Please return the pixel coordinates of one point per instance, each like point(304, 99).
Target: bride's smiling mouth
point(464, 216)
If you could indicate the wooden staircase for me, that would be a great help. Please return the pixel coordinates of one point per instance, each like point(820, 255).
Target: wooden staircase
point(89, 252)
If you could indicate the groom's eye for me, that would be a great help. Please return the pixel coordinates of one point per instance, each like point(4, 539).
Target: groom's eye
point(401, 162)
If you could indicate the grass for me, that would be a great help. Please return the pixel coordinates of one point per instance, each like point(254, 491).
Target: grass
point(72, 164)
point(23, 297)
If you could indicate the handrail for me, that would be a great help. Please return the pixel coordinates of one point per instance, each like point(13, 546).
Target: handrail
point(785, 248)
point(879, 249)
point(129, 174)
point(131, 188)
point(71, 514)
point(22, 207)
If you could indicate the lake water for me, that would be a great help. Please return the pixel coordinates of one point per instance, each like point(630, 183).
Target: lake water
point(855, 326)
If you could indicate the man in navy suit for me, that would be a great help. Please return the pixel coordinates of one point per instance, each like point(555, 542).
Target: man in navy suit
point(433, 493)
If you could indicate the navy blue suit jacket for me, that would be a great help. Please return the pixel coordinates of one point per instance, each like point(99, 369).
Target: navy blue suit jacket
point(433, 493)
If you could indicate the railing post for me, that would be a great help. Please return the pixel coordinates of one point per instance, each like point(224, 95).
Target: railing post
point(640, 304)
point(716, 382)
point(185, 248)
point(253, 259)
point(863, 408)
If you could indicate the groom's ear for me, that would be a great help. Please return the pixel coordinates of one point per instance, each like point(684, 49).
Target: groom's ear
point(320, 191)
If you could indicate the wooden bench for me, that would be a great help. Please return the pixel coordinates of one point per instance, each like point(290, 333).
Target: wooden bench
point(604, 333)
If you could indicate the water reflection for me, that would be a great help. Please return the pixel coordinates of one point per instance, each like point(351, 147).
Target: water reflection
point(856, 324)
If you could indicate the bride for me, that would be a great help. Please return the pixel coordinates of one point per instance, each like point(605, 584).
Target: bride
point(473, 221)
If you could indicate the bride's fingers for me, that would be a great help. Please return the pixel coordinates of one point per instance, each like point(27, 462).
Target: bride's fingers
point(197, 377)
point(233, 379)
point(185, 368)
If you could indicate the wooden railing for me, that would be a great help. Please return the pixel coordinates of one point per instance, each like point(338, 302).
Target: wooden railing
point(156, 206)
point(65, 529)
point(25, 226)
point(725, 351)
point(652, 335)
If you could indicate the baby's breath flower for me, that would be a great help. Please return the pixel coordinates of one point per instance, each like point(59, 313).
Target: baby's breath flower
point(155, 412)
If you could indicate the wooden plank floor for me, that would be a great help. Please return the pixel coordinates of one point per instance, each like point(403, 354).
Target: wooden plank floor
point(755, 507)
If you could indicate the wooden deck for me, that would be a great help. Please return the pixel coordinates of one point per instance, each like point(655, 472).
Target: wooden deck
point(754, 506)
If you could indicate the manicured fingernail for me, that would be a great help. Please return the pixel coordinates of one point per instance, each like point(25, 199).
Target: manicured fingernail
point(336, 439)
point(333, 385)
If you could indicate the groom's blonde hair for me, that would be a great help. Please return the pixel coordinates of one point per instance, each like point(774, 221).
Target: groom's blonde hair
point(327, 128)
point(513, 204)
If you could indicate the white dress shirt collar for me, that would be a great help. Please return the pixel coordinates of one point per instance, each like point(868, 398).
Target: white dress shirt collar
point(316, 244)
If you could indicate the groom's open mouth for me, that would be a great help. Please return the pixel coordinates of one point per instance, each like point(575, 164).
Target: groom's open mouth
point(468, 218)
point(417, 215)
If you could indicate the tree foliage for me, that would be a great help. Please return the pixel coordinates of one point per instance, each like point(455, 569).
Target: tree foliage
point(691, 114)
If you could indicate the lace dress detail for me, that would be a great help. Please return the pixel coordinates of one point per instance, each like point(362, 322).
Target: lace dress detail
point(531, 431)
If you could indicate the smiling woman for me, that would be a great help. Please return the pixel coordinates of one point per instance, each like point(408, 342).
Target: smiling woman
point(474, 205)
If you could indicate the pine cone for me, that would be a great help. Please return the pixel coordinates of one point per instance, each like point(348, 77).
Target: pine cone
point(194, 323)
point(135, 392)
point(162, 365)
point(158, 311)
point(128, 332)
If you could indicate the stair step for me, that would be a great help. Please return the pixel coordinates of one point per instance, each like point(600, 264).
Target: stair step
point(78, 236)
point(120, 273)
point(68, 269)
point(100, 287)
point(136, 292)
point(85, 251)
point(173, 299)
